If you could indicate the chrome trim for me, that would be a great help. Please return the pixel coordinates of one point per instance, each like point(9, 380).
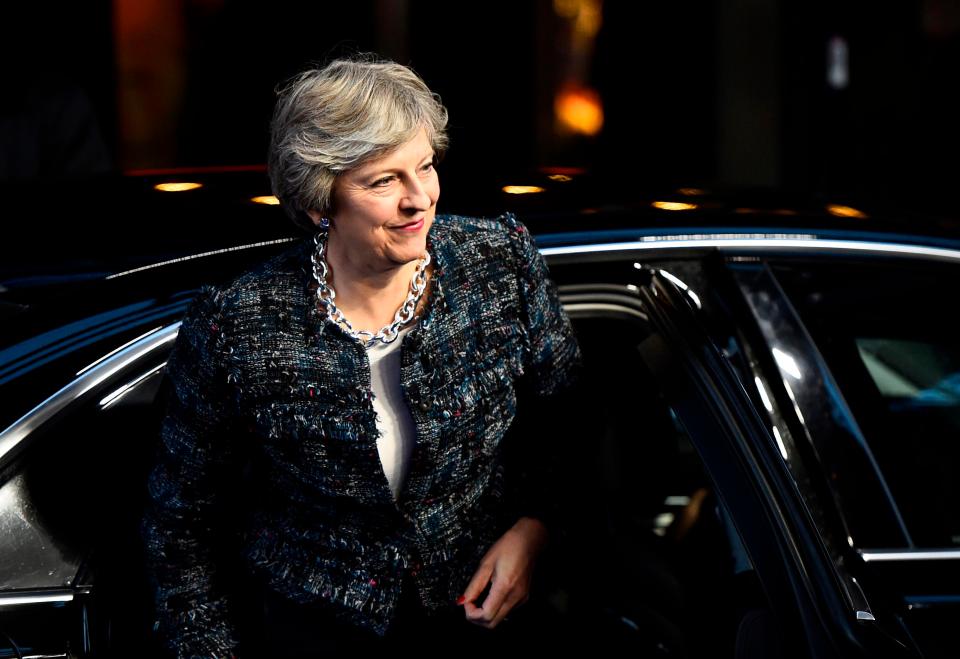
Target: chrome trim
point(801, 242)
point(623, 289)
point(29, 422)
point(865, 615)
point(200, 256)
point(13, 598)
point(118, 394)
point(579, 308)
point(599, 296)
point(118, 349)
point(878, 555)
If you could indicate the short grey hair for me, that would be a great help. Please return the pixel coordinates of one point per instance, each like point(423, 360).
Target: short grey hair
point(331, 119)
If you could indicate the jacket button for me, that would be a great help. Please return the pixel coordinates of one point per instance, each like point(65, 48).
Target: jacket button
point(424, 405)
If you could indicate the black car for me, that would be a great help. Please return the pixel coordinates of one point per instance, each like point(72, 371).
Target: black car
point(779, 387)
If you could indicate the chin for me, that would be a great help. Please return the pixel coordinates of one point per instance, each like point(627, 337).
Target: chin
point(409, 254)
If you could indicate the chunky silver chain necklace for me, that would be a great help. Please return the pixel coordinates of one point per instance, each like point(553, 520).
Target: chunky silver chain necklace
point(326, 296)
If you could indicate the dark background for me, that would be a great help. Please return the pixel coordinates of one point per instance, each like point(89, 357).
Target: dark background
point(709, 93)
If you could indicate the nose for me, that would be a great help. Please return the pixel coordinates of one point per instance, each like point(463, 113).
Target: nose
point(416, 196)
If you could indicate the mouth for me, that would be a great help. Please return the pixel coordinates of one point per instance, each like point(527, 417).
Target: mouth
point(411, 226)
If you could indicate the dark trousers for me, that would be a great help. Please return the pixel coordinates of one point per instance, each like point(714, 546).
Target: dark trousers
point(288, 630)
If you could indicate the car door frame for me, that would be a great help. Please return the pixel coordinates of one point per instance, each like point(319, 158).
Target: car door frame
point(907, 581)
point(800, 579)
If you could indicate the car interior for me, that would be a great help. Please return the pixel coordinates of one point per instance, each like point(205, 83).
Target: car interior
point(647, 560)
point(891, 344)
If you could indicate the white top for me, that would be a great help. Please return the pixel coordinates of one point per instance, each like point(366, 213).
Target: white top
point(397, 431)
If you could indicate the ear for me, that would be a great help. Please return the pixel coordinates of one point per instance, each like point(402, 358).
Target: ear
point(315, 216)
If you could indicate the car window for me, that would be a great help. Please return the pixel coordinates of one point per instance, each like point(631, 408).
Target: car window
point(649, 543)
point(892, 342)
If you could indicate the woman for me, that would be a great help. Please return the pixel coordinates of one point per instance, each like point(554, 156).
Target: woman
point(372, 375)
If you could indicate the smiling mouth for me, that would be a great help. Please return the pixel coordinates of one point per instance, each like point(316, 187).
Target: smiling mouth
point(409, 224)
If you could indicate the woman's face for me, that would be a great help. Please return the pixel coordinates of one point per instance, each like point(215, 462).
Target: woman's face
point(372, 201)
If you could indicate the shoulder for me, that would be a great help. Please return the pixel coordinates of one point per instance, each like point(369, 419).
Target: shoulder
point(502, 234)
point(276, 278)
point(469, 224)
point(290, 262)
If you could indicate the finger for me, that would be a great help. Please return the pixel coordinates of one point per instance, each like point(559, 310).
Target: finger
point(474, 610)
point(515, 598)
point(495, 605)
point(477, 583)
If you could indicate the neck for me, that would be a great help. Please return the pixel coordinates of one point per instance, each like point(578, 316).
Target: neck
point(373, 290)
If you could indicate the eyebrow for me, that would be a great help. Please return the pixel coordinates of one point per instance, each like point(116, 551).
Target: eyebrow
point(377, 172)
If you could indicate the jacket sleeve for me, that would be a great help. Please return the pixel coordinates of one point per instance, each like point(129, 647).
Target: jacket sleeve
point(538, 452)
point(192, 619)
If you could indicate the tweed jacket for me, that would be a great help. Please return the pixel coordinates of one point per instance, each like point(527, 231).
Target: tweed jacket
point(258, 369)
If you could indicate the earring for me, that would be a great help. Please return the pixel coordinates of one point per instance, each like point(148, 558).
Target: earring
point(324, 223)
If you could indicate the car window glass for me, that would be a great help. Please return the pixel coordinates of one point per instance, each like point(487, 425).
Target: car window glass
point(649, 544)
point(889, 336)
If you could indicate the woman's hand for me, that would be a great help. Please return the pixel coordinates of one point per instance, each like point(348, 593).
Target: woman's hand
point(509, 564)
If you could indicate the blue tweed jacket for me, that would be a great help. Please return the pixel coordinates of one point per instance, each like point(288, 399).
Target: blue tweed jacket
point(259, 370)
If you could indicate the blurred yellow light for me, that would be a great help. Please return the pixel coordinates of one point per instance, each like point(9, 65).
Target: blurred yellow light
point(269, 200)
point(673, 206)
point(522, 189)
point(560, 178)
point(845, 211)
point(177, 187)
point(579, 109)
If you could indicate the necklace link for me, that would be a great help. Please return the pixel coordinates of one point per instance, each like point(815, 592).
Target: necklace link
point(326, 296)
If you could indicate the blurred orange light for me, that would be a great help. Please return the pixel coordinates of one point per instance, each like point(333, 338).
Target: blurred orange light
point(845, 211)
point(586, 16)
point(673, 206)
point(269, 200)
point(177, 187)
point(579, 109)
point(522, 189)
point(560, 178)
point(691, 192)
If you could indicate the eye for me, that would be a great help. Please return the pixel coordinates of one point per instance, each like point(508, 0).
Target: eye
point(380, 183)
point(428, 166)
